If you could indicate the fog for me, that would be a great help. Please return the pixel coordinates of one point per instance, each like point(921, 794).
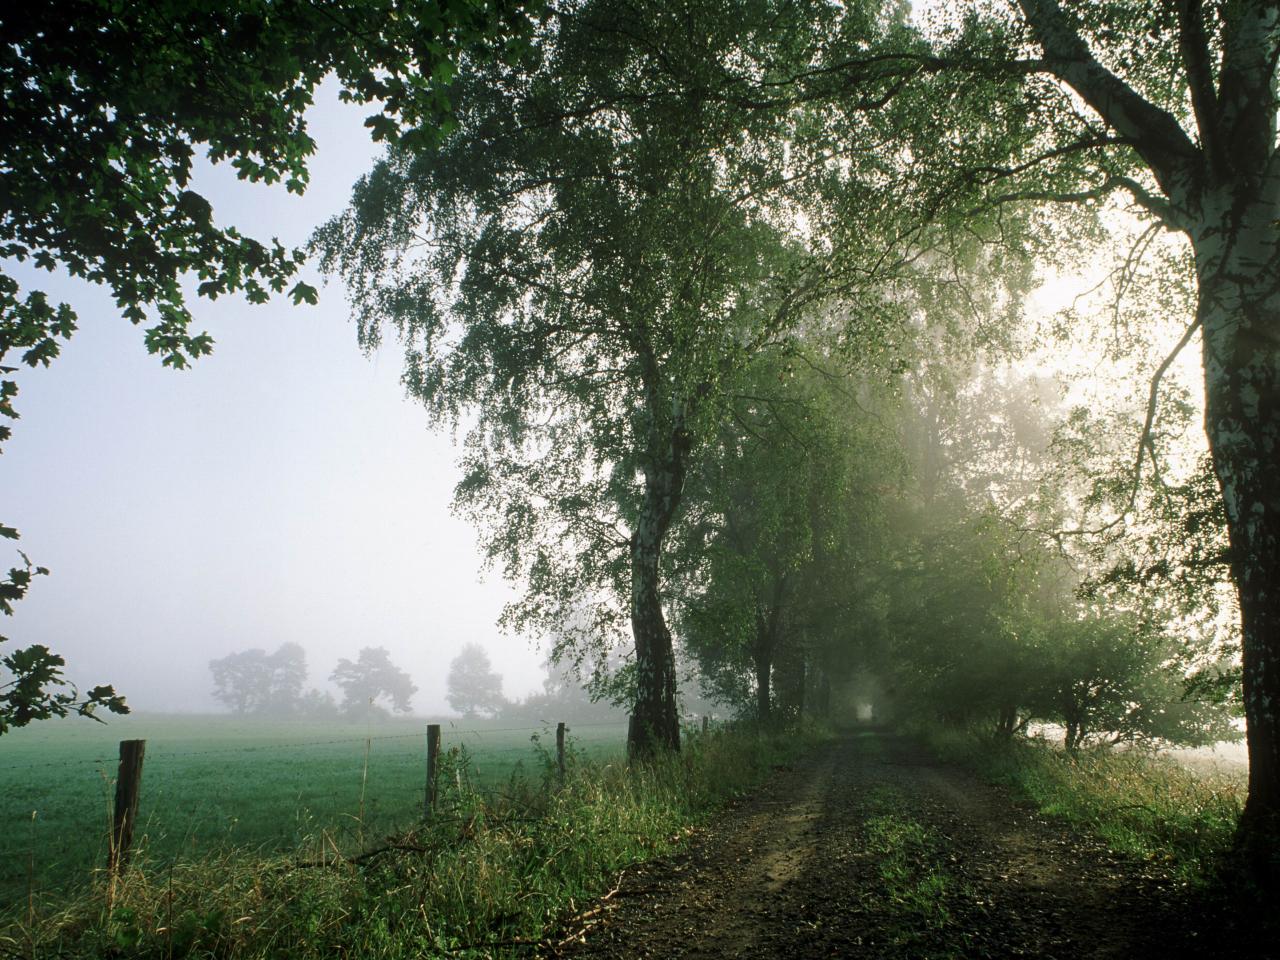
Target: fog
point(281, 490)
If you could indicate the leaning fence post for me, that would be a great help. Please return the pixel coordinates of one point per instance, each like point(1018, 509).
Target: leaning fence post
point(128, 785)
point(433, 764)
point(560, 728)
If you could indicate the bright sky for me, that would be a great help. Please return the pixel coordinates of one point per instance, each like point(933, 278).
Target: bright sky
point(281, 490)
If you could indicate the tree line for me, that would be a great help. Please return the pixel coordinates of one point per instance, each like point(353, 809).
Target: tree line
point(255, 683)
point(842, 551)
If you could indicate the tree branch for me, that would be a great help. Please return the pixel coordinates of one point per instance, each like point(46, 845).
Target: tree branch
point(1153, 395)
point(1155, 133)
point(1194, 45)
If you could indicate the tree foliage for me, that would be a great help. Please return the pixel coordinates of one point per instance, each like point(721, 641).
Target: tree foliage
point(1109, 677)
point(370, 682)
point(106, 106)
point(785, 497)
point(474, 687)
point(257, 682)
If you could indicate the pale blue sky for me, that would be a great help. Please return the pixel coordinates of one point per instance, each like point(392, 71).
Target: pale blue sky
point(282, 489)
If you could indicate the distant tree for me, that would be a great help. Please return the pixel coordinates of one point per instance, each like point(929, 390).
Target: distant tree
point(370, 678)
point(241, 680)
point(318, 705)
point(475, 688)
point(576, 692)
point(254, 681)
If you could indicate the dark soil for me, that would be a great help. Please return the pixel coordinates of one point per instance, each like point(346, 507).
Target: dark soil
point(794, 871)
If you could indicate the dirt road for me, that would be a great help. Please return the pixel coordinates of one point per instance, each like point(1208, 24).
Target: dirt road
point(871, 848)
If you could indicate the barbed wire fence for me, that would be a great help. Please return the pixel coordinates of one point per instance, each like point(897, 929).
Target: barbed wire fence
point(316, 790)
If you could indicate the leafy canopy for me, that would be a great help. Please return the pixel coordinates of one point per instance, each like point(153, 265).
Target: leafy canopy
point(372, 680)
point(581, 268)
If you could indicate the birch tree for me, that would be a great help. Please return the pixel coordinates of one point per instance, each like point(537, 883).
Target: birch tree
point(576, 273)
point(1216, 179)
point(1183, 105)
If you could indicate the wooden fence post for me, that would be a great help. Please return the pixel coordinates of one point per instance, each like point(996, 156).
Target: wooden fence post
point(560, 728)
point(706, 722)
point(128, 786)
point(433, 765)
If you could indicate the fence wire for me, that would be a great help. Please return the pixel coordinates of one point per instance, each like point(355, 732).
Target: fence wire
point(156, 748)
point(274, 803)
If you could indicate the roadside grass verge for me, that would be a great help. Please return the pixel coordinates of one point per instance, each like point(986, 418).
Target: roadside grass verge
point(491, 874)
point(1141, 805)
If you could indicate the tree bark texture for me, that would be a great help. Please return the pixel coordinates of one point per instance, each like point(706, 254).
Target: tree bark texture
point(1239, 263)
point(655, 722)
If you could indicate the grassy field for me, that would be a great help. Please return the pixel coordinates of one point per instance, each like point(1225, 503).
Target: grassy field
point(211, 783)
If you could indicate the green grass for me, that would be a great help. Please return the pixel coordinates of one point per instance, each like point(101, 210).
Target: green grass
point(910, 867)
point(915, 885)
point(213, 784)
point(1147, 807)
point(491, 874)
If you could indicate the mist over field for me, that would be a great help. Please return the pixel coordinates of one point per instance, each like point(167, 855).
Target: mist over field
point(280, 490)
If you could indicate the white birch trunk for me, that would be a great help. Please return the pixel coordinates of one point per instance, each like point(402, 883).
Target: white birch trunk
point(1237, 253)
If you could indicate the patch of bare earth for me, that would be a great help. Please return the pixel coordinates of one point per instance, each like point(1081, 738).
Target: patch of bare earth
point(792, 872)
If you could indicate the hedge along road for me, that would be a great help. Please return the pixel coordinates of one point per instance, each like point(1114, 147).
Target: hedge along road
point(870, 847)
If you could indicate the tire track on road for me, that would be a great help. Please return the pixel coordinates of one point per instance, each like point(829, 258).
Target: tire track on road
point(807, 867)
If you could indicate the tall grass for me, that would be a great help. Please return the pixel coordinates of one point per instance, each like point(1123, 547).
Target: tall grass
point(1141, 804)
point(491, 874)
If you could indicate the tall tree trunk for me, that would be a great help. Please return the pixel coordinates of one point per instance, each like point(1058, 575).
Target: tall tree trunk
point(1238, 259)
point(765, 646)
point(802, 682)
point(822, 694)
point(1073, 735)
point(1006, 722)
point(655, 724)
